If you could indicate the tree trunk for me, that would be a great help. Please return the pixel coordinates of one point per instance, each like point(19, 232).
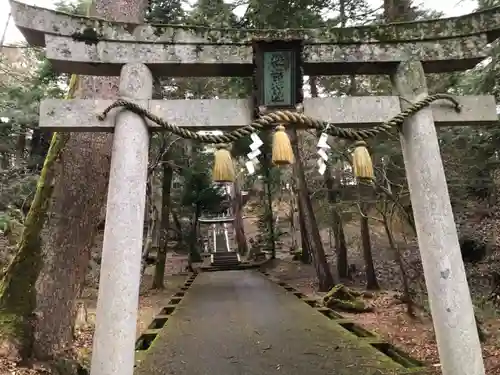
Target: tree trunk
point(151, 219)
point(398, 11)
point(338, 228)
point(293, 230)
point(178, 226)
point(161, 257)
point(39, 146)
point(313, 238)
point(4, 160)
point(17, 287)
point(269, 211)
point(404, 277)
point(239, 228)
point(194, 254)
point(305, 254)
point(79, 195)
point(371, 277)
point(20, 148)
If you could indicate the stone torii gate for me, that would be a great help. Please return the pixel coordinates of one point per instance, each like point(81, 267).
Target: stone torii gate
point(137, 52)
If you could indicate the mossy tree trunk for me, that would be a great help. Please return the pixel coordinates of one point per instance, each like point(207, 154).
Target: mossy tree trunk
point(79, 195)
point(17, 287)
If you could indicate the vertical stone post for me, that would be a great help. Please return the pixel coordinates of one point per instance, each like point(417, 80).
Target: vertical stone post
point(116, 318)
point(215, 237)
point(449, 295)
point(226, 236)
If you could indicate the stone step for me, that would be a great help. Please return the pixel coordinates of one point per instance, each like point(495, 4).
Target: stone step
point(225, 256)
point(232, 254)
point(220, 264)
point(225, 259)
point(241, 266)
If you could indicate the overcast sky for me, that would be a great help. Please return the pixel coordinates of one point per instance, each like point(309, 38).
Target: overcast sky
point(448, 7)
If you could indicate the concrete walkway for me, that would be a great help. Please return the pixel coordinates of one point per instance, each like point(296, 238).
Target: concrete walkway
point(240, 323)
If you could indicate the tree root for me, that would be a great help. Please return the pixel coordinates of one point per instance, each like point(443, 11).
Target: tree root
point(68, 366)
point(342, 298)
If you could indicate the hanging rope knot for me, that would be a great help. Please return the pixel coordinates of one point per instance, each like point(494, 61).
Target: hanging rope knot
point(223, 146)
point(360, 144)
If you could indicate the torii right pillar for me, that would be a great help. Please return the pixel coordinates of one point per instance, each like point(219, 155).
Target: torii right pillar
point(449, 295)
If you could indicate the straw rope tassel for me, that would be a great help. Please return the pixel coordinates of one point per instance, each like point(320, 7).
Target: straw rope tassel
point(282, 148)
point(362, 161)
point(223, 170)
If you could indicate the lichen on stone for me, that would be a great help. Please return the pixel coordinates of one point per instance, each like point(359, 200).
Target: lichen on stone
point(486, 21)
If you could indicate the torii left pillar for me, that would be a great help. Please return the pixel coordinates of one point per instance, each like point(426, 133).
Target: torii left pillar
point(116, 317)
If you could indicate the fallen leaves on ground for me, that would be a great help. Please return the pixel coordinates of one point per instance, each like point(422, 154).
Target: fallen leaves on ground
point(391, 321)
point(150, 303)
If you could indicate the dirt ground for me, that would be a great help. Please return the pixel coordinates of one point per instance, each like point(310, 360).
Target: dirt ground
point(150, 304)
point(389, 318)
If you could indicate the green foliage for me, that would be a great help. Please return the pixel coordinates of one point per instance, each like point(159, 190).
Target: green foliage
point(78, 7)
point(4, 222)
point(200, 191)
point(22, 88)
point(166, 12)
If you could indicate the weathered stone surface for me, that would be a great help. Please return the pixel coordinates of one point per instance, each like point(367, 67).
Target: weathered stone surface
point(116, 314)
point(97, 47)
point(81, 115)
point(363, 111)
point(35, 21)
point(445, 278)
point(107, 57)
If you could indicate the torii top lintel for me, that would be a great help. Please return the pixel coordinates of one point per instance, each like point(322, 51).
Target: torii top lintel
point(442, 45)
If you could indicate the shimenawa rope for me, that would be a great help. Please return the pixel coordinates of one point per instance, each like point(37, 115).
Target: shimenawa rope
point(284, 117)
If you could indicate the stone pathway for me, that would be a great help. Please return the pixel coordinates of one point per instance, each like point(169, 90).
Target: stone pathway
point(239, 322)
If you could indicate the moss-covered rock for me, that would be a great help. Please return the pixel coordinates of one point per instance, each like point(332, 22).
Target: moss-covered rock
point(342, 298)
